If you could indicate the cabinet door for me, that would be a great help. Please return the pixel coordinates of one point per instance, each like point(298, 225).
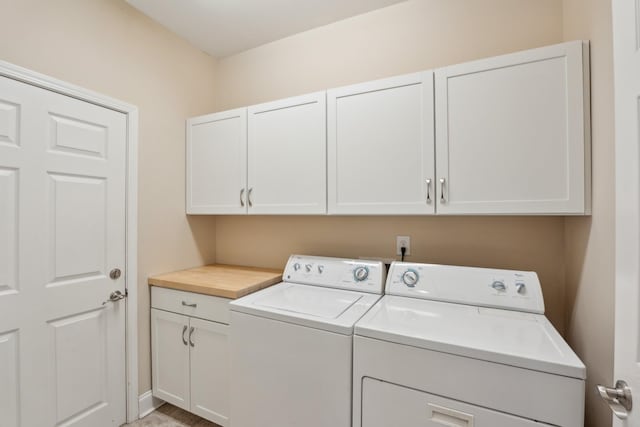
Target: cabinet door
point(380, 147)
point(512, 133)
point(287, 156)
point(210, 370)
point(217, 163)
point(170, 357)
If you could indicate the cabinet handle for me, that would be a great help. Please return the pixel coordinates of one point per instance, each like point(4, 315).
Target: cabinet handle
point(249, 197)
point(184, 340)
point(442, 198)
point(242, 198)
point(186, 304)
point(428, 181)
point(191, 333)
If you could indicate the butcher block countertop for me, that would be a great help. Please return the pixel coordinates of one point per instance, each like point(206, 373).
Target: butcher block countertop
point(227, 281)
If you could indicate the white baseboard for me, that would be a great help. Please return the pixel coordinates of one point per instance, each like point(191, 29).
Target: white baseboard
point(147, 403)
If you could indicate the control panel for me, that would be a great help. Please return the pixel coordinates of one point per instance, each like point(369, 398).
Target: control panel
point(350, 274)
point(483, 287)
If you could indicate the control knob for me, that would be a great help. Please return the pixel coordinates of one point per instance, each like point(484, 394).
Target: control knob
point(296, 266)
point(410, 278)
point(521, 288)
point(360, 273)
point(320, 269)
point(499, 286)
point(308, 268)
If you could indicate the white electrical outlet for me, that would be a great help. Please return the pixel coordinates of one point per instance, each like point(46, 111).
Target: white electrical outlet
point(403, 241)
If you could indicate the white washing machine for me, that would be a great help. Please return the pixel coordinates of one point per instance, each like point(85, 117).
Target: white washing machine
point(292, 343)
point(458, 346)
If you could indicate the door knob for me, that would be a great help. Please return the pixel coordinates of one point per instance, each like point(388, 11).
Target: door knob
point(115, 296)
point(618, 398)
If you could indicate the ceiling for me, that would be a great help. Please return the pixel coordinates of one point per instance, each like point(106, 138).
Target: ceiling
point(225, 27)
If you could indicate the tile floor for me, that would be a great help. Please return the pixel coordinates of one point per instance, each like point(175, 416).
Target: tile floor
point(169, 416)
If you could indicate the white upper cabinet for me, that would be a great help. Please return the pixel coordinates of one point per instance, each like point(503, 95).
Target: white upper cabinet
point(217, 163)
point(381, 147)
point(512, 133)
point(508, 135)
point(287, 156)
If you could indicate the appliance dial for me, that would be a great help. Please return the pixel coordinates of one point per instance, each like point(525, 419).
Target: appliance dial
point(361, 273)
point(320, 269)
point(296, 266)
point(521, 288)
point(308, 268)
point(499, 286)
point(410, 278)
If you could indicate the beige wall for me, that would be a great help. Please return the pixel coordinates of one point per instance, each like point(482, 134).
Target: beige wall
point(107, 46)
point(407, 37)
point(589, 242)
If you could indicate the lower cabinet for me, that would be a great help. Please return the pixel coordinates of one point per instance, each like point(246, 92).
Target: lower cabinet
point(190, 361)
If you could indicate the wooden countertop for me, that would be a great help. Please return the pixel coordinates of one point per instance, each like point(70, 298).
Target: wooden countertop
point(227, 281)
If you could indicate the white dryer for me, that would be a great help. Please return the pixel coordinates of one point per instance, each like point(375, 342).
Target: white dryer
point(292, 343)
point(459, 346)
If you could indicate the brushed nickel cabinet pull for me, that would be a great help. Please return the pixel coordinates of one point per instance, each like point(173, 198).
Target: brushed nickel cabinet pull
point(190, 334)
point(184, 340)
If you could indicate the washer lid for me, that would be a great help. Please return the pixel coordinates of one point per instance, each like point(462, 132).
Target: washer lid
point(308, 300)
point(330, 309)
point(525, 340)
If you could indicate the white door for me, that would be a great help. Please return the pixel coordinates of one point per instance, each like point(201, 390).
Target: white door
point(287, 156)
point(62, 230)
point(380, 147)
point(217, 163)
point(512, 133)
point(210, 365)
point(626, 45)
point(170, 350)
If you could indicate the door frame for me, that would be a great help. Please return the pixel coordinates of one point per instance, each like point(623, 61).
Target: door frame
point(131, 222)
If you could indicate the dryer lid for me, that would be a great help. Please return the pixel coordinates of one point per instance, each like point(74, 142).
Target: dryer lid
point(525, 340)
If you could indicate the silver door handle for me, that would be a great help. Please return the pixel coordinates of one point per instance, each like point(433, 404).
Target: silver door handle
point(186, 304)
point(191, 333)
point(184, 340)
point(428, 182)
point(442, 198)
point(115, 296)
point(249, 197)
point(618, 398)
point(242, 198)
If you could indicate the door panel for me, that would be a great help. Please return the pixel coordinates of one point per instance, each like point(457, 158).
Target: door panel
point(217, 163)
point(9, 379)
point(287, 156)
point(380, 147)
point(170, 364)
point(62, 228)
point(9, 123)
point(8, 230)
point(385, 404)
point(78, 227)
point(210, 365)
point(626, 66)
point(79, 344)
point(512, 133)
